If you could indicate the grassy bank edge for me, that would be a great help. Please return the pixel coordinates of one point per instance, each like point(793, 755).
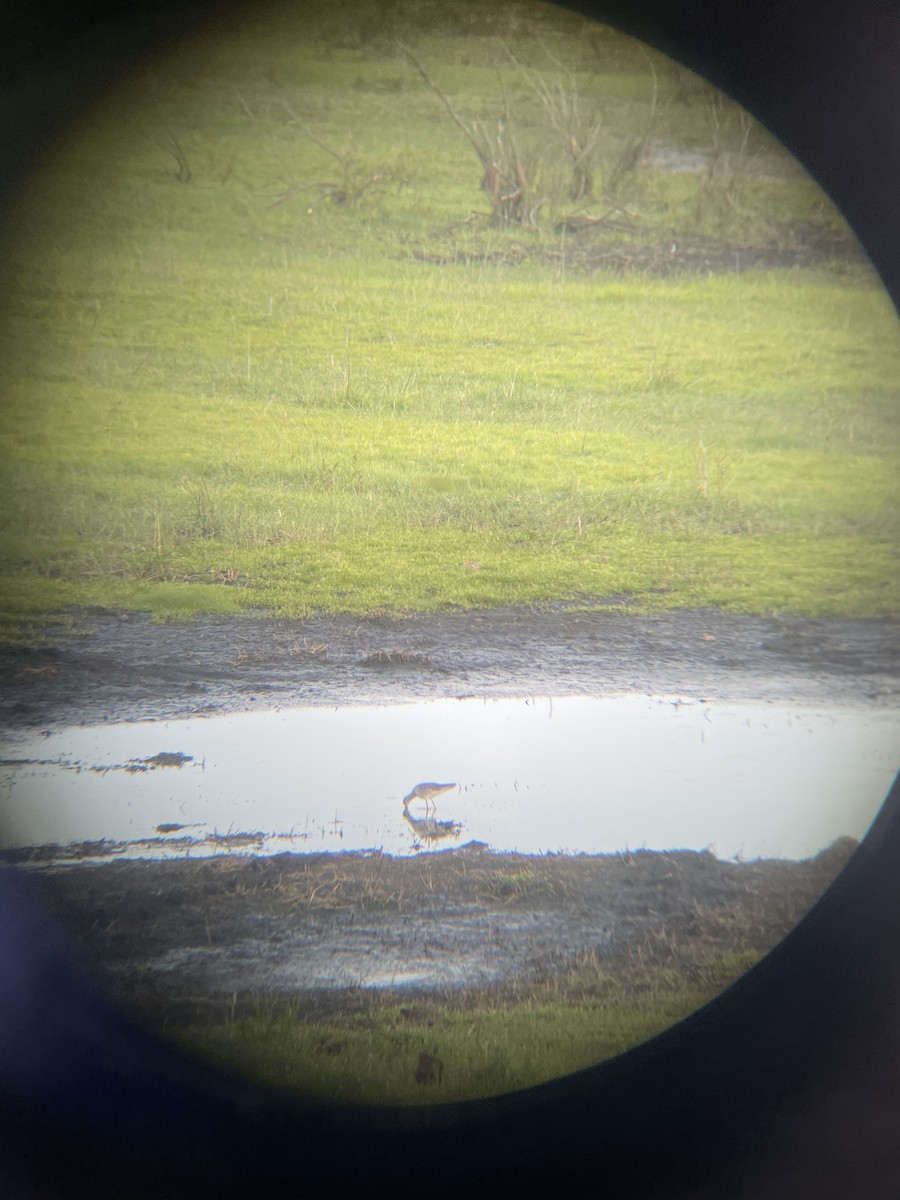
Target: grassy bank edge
point(500, 1041)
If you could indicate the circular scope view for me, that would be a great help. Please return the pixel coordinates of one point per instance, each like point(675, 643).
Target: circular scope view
point(449, 546)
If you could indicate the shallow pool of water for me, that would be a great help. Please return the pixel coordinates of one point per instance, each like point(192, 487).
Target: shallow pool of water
point(577, 774)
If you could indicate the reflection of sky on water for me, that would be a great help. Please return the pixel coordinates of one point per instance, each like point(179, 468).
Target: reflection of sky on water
point(573, 774)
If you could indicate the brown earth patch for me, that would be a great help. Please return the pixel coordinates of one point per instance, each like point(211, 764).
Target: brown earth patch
point(124, 667)
point(587, 245)
point(180, 941)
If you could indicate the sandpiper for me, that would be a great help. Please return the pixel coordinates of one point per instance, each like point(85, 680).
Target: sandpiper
point(427, 792)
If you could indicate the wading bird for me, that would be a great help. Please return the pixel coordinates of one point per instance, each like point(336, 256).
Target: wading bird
point(427, 792)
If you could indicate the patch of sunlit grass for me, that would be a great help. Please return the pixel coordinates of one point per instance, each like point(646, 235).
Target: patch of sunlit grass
point(372, 1060)
point(220, 398)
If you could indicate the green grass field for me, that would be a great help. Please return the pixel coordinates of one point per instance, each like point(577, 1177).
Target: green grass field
point(371, 1060)
point(489, 1047)
point(238, 376)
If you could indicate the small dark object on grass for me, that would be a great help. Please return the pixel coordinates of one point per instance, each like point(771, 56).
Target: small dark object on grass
point(430, 1068)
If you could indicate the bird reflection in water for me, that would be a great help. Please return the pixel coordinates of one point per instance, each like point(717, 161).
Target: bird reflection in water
point(428, 828)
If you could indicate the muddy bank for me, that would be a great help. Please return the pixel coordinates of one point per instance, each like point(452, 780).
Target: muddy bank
point(123, 667)
point(186, 940)
point(182, 939)
point(610, 244)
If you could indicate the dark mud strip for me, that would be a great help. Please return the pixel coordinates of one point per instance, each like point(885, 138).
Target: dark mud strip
point(613, 244)
point(187, 940)
point(125, 668)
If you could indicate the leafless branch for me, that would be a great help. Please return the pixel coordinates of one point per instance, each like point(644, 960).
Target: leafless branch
point(172, 146)
point(504, 177)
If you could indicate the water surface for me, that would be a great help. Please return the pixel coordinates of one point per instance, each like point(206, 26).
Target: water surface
point(577, 774)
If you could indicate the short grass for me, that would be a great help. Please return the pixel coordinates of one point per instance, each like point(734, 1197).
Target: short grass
point(484, 1054)
point(255, 388)
point(486, 1050)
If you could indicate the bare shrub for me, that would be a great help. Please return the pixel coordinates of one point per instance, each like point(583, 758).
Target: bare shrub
point(506, 177)
point(168, 142)
point(358, 179)
point(577, 131)
point(721, 194)
point(635, 146)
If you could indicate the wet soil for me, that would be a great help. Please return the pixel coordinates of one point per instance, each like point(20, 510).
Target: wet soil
point(182, 941)
point(589, 244)
point(123, 667)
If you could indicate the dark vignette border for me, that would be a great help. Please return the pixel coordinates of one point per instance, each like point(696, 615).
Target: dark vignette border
point(787, 1085)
